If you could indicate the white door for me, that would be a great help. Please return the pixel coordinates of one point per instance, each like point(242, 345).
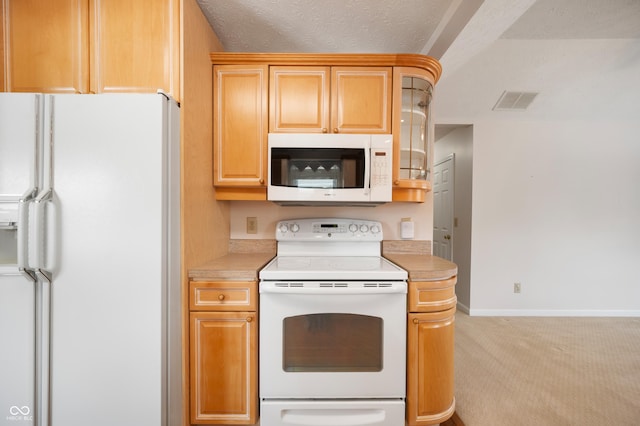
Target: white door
point(443, 207)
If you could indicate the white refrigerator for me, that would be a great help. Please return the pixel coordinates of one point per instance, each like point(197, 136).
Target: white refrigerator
point(89, 260)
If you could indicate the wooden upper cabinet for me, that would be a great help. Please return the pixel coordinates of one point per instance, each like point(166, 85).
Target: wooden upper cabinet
point(299, 99)
point(240, 130)
point(361, 100)
point(92, 46)
point(135, 46)
point(46, 46)
point(413, 133)
point(316, 99)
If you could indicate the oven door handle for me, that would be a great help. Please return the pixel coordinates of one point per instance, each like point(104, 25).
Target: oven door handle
point(347, 288)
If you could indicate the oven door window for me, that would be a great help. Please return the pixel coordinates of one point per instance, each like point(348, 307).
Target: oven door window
point(318, 167)
point(332, 343)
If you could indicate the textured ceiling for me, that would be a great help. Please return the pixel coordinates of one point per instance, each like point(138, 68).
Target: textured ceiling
point(559, 48)
point(332, 26)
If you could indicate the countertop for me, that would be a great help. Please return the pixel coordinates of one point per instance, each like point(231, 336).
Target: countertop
point(415, 257)
point(247, 257)
point(242, 263)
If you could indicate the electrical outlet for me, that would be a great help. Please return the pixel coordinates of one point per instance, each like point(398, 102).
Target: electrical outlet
point(252, 225)
point(517, 287)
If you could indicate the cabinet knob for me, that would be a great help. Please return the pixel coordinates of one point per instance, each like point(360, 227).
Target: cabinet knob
point(249, 319)
point(221, 297)
point(261, 181)
point(335, 130)
point(324, 130)
point(396, 182)
point(416, 321)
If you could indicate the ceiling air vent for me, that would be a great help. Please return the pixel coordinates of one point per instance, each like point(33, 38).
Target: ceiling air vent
point(514, 101)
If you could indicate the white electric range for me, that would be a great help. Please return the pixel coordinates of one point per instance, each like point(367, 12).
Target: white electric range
point(332, 327)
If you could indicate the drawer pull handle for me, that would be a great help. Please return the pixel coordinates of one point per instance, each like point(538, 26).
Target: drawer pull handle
point(249, 319)
point(221, 297)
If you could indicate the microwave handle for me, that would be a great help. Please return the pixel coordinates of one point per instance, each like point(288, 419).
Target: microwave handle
point(367, 170)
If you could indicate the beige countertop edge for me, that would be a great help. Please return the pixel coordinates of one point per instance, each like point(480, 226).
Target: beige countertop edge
point(233, 266)
point(421, 267)
point(247, 257)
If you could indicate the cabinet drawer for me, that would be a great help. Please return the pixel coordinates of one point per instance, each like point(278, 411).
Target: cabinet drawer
point(432, 296)
point(223, 295)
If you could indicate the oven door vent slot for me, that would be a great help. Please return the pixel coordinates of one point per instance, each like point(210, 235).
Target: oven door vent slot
point(289, 285)
point(377, 285)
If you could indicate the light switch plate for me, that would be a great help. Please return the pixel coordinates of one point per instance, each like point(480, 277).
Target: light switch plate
point(406, 230)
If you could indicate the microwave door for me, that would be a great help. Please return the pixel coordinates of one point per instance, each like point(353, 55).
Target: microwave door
point(331, 174)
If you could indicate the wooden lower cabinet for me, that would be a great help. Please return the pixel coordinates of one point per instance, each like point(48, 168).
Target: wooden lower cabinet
point(430, 346)
point(430, 375)
point(223, 358)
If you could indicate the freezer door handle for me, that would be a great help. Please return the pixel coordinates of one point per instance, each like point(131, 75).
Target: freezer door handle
point(42, 236)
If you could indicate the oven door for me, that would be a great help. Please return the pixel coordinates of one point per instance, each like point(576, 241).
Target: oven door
point(332, 340)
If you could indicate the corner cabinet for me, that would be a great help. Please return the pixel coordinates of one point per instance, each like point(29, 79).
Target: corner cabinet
point(430, 350)
point(240, 131)
point(257, 93)
point(223, 352)
point(412, 133)
point(330, 99)
point(91, 46)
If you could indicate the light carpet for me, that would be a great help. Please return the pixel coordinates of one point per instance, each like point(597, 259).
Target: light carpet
point(547, 371)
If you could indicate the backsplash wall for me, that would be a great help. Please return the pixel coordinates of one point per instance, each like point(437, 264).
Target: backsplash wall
point(390, 214)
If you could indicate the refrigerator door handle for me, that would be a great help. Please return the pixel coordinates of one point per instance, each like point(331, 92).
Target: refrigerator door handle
point(42, 238)
point(23, 235)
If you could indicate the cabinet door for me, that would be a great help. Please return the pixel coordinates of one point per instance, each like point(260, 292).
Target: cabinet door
point(361, 99)
point(413, 133)
point(240, 128)
point(223, 368)
point(135, 46)
point(46, 46)
point(430, 379)
point(299, 99)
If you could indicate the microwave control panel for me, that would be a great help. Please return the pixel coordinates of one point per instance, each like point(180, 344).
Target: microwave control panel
point(380, 167)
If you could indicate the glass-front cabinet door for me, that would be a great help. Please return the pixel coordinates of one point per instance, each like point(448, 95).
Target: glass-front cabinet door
point(413, 133)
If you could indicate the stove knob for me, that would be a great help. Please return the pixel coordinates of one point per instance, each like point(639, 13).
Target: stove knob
point(375, 229)
point(364, 228)
point(353, 227)
point(294, 227)
point(284, 228)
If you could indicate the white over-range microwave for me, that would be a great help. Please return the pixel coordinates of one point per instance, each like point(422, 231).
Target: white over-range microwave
point(329, 169)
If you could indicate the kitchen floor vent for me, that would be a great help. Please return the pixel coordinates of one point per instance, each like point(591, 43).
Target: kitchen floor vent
point(514, 101)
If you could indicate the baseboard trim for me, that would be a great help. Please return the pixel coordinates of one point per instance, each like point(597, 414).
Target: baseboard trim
point(552, 313)
point(454, 420)
point(462, 307)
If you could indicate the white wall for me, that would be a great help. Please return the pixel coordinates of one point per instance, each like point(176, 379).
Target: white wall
point(556, 206)
point(556, 196)
point(390, 215)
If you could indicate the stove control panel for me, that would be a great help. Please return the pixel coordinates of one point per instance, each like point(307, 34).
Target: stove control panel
point(328, 229)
